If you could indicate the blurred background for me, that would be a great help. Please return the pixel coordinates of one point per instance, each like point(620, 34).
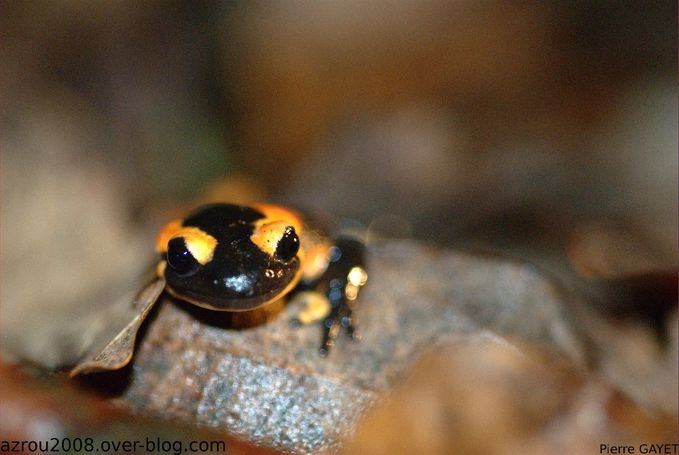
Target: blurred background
point(542, 129)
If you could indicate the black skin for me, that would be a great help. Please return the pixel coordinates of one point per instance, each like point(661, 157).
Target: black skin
point(242, 277)
point(346, 254)
point(236, 279)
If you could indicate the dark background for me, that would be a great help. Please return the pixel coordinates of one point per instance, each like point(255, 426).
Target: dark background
point(505, 126)
point(541, 129)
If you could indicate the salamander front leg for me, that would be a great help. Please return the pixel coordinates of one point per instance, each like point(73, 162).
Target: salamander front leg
point(335, 296)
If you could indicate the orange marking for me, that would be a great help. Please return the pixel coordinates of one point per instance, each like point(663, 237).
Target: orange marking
point(316, 306)
point(166, 233)
point(316, 259)
point(269, 230)
point(201, 244)
point(160, 269)
point(266, 236)
point(278, 213)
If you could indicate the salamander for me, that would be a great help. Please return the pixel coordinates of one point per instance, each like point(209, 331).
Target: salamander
point(236, 258)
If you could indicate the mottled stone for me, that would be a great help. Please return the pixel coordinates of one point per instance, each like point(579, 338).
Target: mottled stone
point(267, 383)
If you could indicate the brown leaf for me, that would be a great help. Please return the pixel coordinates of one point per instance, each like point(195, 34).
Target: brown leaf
point(118, 350)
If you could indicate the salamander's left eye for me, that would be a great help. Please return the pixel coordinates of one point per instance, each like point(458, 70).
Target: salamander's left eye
point(288, 245)
point(180, 258)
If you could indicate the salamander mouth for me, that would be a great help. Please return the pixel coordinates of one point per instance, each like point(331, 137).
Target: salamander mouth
point(227, 304)
point(241, 292)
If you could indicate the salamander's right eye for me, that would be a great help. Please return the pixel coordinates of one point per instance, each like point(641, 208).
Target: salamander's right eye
point(180, 259)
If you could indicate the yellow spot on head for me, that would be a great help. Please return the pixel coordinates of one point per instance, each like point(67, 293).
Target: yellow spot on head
point(200, 244)
point(269, 230)
point(267, 236)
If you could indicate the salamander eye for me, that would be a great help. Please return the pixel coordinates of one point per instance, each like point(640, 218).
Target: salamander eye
point(180, 258)
point(288, 245)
